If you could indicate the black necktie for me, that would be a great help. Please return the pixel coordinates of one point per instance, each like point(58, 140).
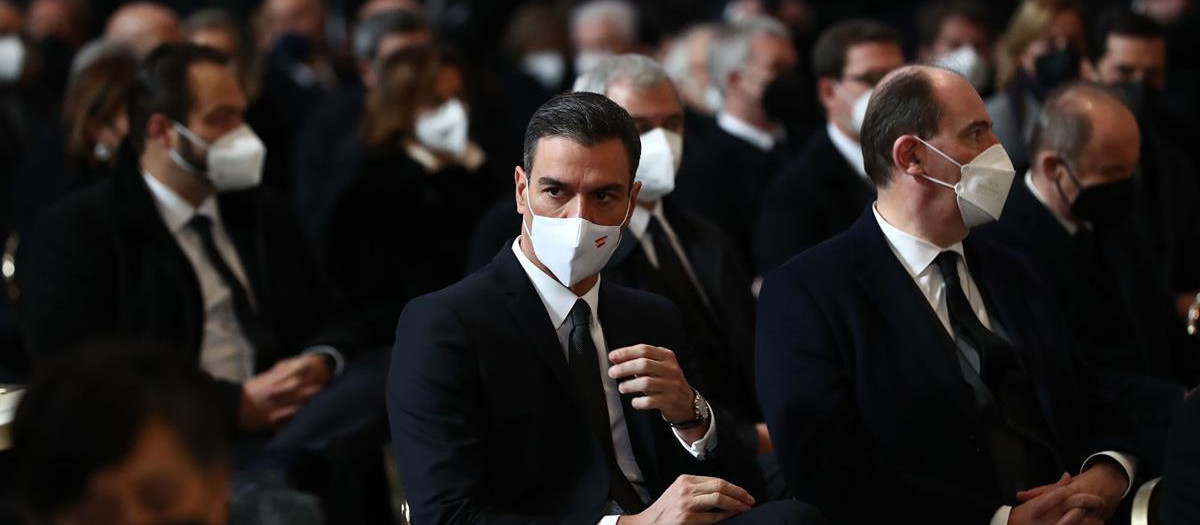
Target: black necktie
point(586, 370)
point(251, 324)
point(679, 286)
point(996, 356)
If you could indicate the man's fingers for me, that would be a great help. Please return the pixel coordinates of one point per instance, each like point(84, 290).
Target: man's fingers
point(1085, 501)
point(1072, 517)
point(717, 500)
point(283, 414)
point(638, 367)
point(1027, 495)
point(628, 353)
point(720, 486)
point(644, 384)
point(1043, 504)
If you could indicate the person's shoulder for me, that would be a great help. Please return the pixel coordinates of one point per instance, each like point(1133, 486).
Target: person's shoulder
point(475, 296)
point(90, 207)
point(824, 265)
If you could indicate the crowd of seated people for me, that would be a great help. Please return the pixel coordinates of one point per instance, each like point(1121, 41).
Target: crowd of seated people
point(599, 261)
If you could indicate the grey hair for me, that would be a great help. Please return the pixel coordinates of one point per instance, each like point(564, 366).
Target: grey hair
point(730, 48)
point(1064, 125)
point(368, 33)
point(619, 12)
point(584, 118)
point(641, 71)
point(97, 49)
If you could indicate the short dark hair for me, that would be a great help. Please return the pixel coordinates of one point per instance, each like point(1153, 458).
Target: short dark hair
point(931, 17)
point(904, 104)
point(829, 53)
point(1064, 126)
point(82, 414)
point(370, 32)
point(1121, 21)
point(162, 85)
point(585, 118)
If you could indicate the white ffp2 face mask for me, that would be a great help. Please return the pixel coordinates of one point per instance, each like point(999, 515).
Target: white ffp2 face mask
point(234, 161)
point(12, 59)
point(572, 248)
point(966, 61)
point(858, 107)
point(445, 128)
point(662, 151)
point(983, 188)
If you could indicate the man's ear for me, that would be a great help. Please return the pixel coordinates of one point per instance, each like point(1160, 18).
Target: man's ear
point(904, 155)
point(520, 186)
point(158, 130)
point(1091, 71)
point(1049, 163)
point(633, 195)
point(826, 91)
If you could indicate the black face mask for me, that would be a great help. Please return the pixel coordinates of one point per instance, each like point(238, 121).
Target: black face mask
point(1103, 205)
point(1056, 67)
point(783, 100)
point(294, 46)
point(1141, 98)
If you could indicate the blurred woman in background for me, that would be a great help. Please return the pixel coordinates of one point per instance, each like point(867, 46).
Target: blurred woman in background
point(1043, 49)
point(400, 229)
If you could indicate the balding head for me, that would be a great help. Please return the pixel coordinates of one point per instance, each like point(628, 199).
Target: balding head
point(1084, 137)
point(11, 18)
point(144, 26)
point(305, 18)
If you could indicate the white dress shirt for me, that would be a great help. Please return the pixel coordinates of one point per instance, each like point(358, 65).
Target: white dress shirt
point(225, 352)
point(850, 149)
point(559, 300)
point(917, 256)
point(639, 224)
point(761, 139)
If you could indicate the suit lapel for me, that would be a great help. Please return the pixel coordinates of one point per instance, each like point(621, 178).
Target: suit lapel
point(526, 307)
point(905, 312)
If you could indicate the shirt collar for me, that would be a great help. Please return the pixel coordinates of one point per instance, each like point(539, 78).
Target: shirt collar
point(915, 253)
point(558, 299)
point(639, 222)
point(850, 149)
point(1067, 224)
point(763, 140)
point(174, 210)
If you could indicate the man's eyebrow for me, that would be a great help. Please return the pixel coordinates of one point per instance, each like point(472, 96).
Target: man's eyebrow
point(985, 124)
point(550, 181)
point(611, 187)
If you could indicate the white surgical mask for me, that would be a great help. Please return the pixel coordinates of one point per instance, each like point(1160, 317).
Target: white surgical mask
point(445, 128)
point(966, 61)
point(234, 161)
point(547, 67)
point(586, 61)
point(984, 185)
point(713, 98)
point(858, 107)
point(12, 58)
point(572, 248)
point(662, 151)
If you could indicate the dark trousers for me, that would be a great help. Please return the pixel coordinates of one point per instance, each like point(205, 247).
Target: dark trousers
point(779, 513)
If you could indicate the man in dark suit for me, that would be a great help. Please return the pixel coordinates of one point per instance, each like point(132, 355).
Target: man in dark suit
point(533, 392)
point(1178, 494)
point(673, 252)
point(821, 192)
point(1129, 53)
point(747, 148)
point(1070, 215)
point(179, 246)
point(908, 375)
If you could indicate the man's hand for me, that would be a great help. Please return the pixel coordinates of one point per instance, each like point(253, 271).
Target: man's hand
point(654, 373)
point(1056, 504)
point(1104, 479)
point(271, 398)
point(694, 500)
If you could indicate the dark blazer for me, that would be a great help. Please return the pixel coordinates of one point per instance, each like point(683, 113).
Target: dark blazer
point(724, 182)
point(1178, 495)
point(1112, 292)
point(484, 417)
point(863, 393)
point(325, 159)
point(1169, 202)
point(727, 365)
point(818, 195)
point(103, 264)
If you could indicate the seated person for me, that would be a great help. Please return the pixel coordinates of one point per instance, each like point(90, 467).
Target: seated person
point(535, 392)
point(400, 228)
point(125, 433)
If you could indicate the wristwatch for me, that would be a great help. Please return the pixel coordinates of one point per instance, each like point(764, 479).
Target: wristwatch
point(703, 414)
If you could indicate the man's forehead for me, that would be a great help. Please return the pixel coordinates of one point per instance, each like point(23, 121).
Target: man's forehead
point(564, 158)
point(212, 84)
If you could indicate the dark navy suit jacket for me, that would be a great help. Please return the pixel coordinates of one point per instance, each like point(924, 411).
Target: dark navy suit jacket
point(863, 393)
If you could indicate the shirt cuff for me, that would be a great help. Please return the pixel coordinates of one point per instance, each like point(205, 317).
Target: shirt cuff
point(1001, 516)
point(704, 445)
point(609, 520)
point(1128, 463)
point(339, 362)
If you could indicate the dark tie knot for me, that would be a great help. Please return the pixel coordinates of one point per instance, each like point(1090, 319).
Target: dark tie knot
point(581, 314)
point(202, 224)
point(947, 262)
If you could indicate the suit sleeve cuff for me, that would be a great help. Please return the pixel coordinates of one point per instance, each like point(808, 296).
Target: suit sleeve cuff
point(1128, 464)
point(339, 362)
point(609, 520)
point(1001, 516)
point(704, 445)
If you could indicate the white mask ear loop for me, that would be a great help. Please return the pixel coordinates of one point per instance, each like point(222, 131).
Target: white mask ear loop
point(945, 156)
